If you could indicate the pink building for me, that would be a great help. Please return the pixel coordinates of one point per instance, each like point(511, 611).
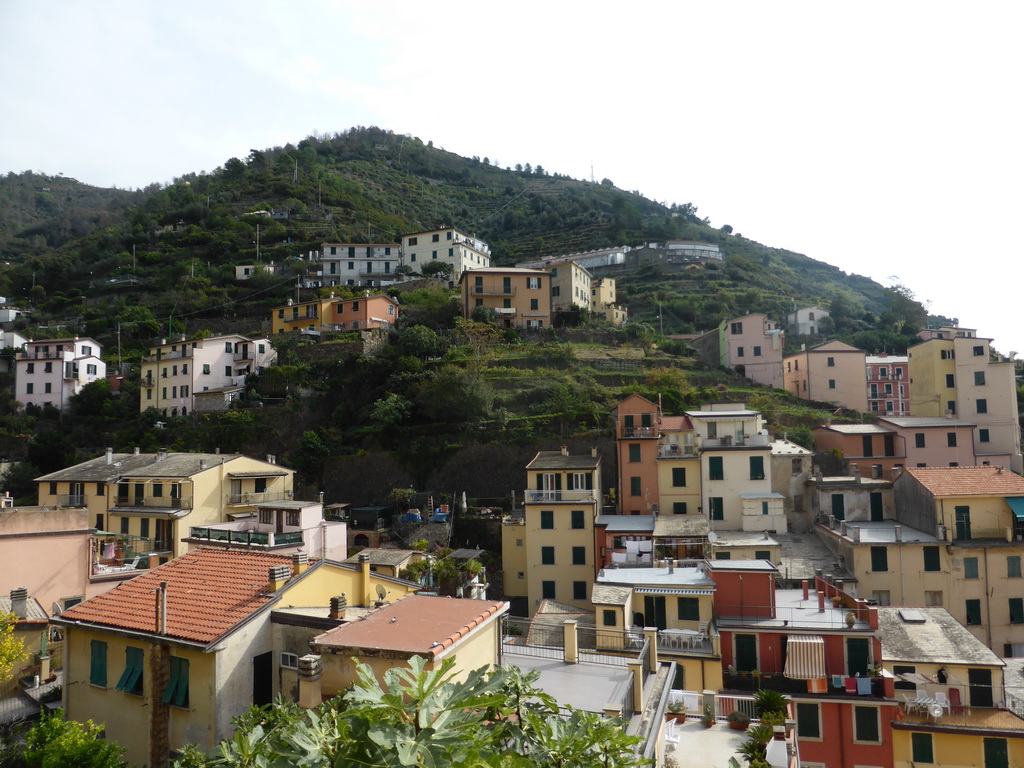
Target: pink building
point(751, 345)
point(888, 383)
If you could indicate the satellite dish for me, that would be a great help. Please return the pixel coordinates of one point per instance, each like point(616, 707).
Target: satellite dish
point(712, 537)
point(935, 710)
point(381, 592)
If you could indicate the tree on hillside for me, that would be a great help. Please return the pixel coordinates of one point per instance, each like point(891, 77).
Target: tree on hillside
point(439, 269)
point(54, 742)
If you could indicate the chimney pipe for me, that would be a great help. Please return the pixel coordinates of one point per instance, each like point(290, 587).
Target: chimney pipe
point(300, 563)
point(161, 609)
point(278, 576)
point(110, 456)
point(806, 589)
point(19, 602)
point(364, 569)
point(339, 605)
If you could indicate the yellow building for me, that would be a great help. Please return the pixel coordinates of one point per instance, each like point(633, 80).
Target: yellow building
point(432, 628)
point(152, 499)
point(173, 373)
point(604, 302)
point(830, 372)
point(562, 501)
point(570, 287)
point(173, 655)
point(521, 298)
point(952, 687)
point(955, 373)
point(302, 316)
point(334, 314)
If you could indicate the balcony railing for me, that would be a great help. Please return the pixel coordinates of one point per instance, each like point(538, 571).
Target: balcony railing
point(259, 498)
point(554, 497)
point(71, 500)
point(734, 441)
point(247, 538)
point(632, 433)
point(483, 290)
point(748, 681)
point(157, 502)
point(675, 451)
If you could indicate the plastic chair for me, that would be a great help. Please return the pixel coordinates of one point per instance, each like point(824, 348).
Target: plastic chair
point(943, 701)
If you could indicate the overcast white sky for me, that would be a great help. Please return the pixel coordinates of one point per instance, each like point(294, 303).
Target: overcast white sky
point(883, 138)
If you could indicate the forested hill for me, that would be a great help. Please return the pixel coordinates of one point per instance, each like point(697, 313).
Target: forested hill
point(179, 242)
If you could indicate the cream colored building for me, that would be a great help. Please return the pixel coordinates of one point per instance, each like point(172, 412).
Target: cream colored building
point(52, 371)
point(570, 287)
point(604, 302)
point(447, 245)
point(561, 501)
point(521, 298)
point(173, 372)
point(152, 500)
point(956, 373)
point(735, 461)
point(830, 372)
point(367, 264)
point(806, 321)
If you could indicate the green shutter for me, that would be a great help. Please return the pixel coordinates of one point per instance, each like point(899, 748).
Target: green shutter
point(715, 468)
point(807, 724)
point(931, 559)
point(1016, 610)
point(98, 663)
point(131, 678)
point(757, 468)
point(866, 724)
point(176, 692)
point(921, 745)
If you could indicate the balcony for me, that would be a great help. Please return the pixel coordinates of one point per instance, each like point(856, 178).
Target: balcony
point(246, 534)
point(156, 502)
point(246, 355)
point(244, 499)
point(559, 497)
point(675, 451)
point(747, 681)
point(634, 433)
point(734, 441)
point(480, 290)
point(71, 500)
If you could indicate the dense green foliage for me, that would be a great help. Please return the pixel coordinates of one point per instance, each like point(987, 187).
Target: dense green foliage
point(54, 742)
point(426, 718)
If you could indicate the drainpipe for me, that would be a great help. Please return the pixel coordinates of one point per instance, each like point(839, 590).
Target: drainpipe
point(988, 605)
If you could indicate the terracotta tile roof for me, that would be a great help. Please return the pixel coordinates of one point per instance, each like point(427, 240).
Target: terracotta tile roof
point(209, 591)
point(968, 481)
point(418, 624)
point(675, 423)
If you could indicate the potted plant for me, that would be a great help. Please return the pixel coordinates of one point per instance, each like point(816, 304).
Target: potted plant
point(708, 718)
point(738, 721)
point(677, 711)
point(768, 701)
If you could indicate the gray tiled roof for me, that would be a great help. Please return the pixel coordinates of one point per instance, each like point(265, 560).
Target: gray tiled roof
point(558, 460)
point(142, 465)
point(939, 639)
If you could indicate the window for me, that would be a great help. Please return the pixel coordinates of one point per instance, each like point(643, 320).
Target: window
point(757, 467)
point(951, 406)
point(634, 452)
point(950, 380)
point(979, 351)
point(1017, 610)
point(951, 439)
point(100, 490)
point(176, 692)
point(206, 367)
point(30, 368)
point(131, 678)
point(739, 351)
point(124, 526)
point(979, 378)
point(715, 468)
point(634, 486)
point(28, 388)
point(547, 555)
point(762, 554)
point(973, 610)
point(678, 477)
point(919, 439)
point(921, 748)
point(808, 721)
point(716, 507)
point(578, 520)
point(579, 555)
point(534, 304)
point(831, 383)
point(981, 405)
point(412, 240)
point(579, 590)
point(933, 598)
point(227, 370)
point(983, 436)
point(47, 367)
point(678, 507)
point(98, 664)
point(435, 238)
point(865, 724)
point(970, 567)
point(144, 527)
point(764, 507)
point(881, 596)
point(736, 328)
point(533, 283)
point(689, 608)
point(547, 519)
point(831, 362)
point(879, 559)
point(608, 618)
point(931, 559)
point(838, 506)
point(723, 555)
point(997, 753)
point(962, 517)
point(757, 351)
point(48, 388)
point(547, 590)
point(1013, 566)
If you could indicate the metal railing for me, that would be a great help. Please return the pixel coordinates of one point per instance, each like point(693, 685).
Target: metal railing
point(675, 451)
point(259, 498)
point(540, 497)
point(637, 432)
point(246, 538)
point(490, 291)
point(158, 502)
point(71, 500)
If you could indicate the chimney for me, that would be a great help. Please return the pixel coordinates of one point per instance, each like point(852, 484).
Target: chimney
point(137, 450)
point(565, 450)
point(278, 575)
point(364, 568)
point(110, 456)
point(19, 602)
point(321, 497)
point(339, 605)
point(161, 455)
point(300, 563)
point(161, 609)
point(856, 473)
point(202, 464)
point(806, 589)
point(310, 671)
point(593, 453)
point(671, 566)
point(897, 532)
point(271, 458)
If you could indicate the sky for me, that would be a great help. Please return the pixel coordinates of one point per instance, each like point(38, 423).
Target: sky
point(882, 138)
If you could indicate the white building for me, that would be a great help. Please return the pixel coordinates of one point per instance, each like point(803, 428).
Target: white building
point(805, 321)
point(357, 264)
point(50, 371)
point(447, 245)
point(173, 372)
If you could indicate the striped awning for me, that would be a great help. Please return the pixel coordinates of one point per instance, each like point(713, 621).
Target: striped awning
point(805, 657)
